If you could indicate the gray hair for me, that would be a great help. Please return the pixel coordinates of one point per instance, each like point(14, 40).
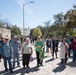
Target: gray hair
point(28, 39)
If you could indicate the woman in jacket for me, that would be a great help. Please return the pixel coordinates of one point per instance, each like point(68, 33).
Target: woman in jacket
point(63, 51)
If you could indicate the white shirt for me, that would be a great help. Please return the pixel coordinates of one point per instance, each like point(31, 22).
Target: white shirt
point(27, 48)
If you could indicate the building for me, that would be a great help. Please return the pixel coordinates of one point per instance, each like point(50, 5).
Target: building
point(5, 32)
point(26, 31)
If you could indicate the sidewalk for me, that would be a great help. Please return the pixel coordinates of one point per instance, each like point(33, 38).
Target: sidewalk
point(51, 67)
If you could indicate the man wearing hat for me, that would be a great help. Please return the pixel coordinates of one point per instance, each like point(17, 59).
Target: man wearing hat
point(7, 54)
point(16, 48)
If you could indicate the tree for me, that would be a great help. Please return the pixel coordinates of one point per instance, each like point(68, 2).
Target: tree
point(15, 31)
point(36, 32)
point(59, 19)
point(70, 16)
point(5, 24)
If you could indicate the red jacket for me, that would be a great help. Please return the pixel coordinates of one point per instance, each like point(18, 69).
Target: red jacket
point(73, 45)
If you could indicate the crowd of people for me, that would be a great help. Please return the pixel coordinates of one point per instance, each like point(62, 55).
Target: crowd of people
point(10, 49)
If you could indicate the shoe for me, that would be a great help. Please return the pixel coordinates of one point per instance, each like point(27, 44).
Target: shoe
point(27, 67)
point(6, 70)
point(41, 65)
point(18, 65)
point(11, 71)
point(23, 67)
point(57, 57)
point(13, 67)
point(37, 66)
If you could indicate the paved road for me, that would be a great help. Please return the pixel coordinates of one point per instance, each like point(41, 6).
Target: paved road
point(51, 67)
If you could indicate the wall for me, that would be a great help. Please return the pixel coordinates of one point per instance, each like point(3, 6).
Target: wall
point(5, 32)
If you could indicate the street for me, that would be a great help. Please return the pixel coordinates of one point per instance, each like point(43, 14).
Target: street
point(50, 67)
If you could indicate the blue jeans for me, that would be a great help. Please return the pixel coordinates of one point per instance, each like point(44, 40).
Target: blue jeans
point(69, 50)
point(9, 62)
point(16, 55)
point(74, 55)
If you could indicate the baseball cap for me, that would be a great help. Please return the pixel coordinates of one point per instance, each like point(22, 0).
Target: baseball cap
point(15, 36)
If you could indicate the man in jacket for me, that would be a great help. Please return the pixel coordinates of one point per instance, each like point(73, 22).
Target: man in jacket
point(16, 49)
point(7, 54)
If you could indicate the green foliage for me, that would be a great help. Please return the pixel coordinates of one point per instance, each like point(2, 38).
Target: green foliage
point(15, 31)
point(36, 32)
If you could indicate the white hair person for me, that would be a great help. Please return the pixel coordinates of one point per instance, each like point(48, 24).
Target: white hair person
point(27, 40)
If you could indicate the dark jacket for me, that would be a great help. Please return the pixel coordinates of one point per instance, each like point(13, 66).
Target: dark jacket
point(73, 45)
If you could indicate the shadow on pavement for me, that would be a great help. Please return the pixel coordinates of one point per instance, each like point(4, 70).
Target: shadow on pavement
point(21, 71)
point(60, 68)
point(72, 64)
point(49, 60)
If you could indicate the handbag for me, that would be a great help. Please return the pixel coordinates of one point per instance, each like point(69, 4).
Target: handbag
point(31, 58)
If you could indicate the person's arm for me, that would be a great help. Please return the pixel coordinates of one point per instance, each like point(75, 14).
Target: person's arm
point(11, 49)
point(36, 45)
point(22, 50)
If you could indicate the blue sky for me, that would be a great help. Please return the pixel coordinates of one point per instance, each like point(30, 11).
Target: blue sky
point(35, 13)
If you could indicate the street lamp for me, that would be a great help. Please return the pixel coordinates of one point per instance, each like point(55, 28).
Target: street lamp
point(23, 14)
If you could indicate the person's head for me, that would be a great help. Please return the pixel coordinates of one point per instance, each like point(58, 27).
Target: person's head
point(54, 38)
point(75, 38)
point(67, 37)
point(6, 39)
point(22, 40)
point(15, 38)
point(64, 40)
point(38, 38)
point(27, 40)
point(48, 37)
point(43, 37)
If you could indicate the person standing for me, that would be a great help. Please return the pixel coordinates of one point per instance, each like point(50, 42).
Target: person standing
point(7, 54)
point(55, 46)
point(26, 53)
point(68, 41)
point(1, 42)
point(39, 46)
point(73, 46)
point(49, 45)
point(63, 50)
point(16, 48)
